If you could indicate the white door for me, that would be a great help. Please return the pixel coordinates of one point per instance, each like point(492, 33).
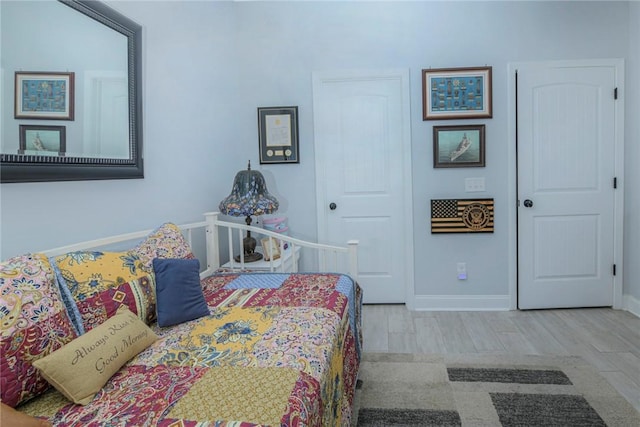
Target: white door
point(566, 168)
point(106, 115)
point(363, 175)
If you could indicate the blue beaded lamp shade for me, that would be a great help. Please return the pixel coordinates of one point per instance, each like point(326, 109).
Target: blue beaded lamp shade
point(249, 196)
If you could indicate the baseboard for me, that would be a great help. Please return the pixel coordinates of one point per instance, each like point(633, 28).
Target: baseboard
point(488, 303)
point(631, 304)
point(461, 302)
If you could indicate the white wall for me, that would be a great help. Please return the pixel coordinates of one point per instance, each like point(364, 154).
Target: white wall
point(289, 41)
point(209, 65)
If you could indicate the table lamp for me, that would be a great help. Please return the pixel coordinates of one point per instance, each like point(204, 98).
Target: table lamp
point(249, 196)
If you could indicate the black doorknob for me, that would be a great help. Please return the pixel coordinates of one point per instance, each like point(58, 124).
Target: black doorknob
point(332, 206)
point(528, 203)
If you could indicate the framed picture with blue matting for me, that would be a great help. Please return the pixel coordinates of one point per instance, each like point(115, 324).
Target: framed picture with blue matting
point(456, 93)
point(44, 95)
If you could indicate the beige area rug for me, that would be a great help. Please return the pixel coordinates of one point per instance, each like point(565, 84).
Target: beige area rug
point(485, 390)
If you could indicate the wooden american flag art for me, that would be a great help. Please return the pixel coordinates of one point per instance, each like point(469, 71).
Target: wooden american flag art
point(462, 216)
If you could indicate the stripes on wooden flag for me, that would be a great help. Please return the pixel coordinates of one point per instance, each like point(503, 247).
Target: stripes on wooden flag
point(462, 216)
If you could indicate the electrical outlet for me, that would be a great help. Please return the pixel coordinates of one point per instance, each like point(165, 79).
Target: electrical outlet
point(462, 270)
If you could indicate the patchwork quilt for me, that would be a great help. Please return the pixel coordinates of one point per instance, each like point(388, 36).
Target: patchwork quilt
point(276, 350)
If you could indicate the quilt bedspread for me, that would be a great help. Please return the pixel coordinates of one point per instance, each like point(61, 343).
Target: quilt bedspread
point(276, 349)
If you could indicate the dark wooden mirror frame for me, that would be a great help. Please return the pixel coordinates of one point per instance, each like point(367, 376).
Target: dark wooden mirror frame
point(18, 168)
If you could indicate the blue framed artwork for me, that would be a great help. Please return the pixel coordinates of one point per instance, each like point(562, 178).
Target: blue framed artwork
point(44, 95)
point(456, 93)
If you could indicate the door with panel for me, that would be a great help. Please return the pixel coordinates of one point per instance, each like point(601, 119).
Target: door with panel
point(363, 174)
point(566, 133)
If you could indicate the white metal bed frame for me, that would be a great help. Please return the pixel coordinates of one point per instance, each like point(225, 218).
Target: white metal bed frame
point(328, 256)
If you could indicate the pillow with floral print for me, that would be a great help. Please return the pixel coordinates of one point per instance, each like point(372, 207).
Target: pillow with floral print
point(166, 241)
point(34, 321)
point(101, 282)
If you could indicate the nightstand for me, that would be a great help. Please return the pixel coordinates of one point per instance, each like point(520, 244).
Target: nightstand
point(290, 258)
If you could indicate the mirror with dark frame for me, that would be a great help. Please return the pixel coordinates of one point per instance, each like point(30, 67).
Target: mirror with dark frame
point(71, 92)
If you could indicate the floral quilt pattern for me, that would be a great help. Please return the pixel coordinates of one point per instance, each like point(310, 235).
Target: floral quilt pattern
point(283, 355)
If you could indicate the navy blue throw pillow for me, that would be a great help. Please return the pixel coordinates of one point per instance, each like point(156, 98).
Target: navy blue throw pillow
point(179, 295)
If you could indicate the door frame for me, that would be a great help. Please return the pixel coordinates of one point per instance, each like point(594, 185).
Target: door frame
point(512, 181)
point(321, 77)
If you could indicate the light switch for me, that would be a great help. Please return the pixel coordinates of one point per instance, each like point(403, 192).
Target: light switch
point(472, 185)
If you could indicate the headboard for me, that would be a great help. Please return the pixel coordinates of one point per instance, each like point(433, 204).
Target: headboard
point(219, 233)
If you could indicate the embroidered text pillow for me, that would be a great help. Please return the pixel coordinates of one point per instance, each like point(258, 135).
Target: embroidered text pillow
point(81, 368)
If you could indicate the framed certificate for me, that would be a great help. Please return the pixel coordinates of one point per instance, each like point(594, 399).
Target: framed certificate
point(278, 134)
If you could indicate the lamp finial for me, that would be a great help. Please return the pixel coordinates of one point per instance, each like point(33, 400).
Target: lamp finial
point(249, 165)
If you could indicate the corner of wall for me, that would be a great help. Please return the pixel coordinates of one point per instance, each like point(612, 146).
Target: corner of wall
point(631, 304)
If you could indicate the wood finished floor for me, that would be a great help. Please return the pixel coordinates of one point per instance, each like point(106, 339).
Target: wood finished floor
point(607, 339)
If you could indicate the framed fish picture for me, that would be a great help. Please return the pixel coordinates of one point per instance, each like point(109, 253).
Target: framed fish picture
point(458, 146)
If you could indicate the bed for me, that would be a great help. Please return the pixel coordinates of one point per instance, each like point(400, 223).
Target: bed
point(280, 347)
